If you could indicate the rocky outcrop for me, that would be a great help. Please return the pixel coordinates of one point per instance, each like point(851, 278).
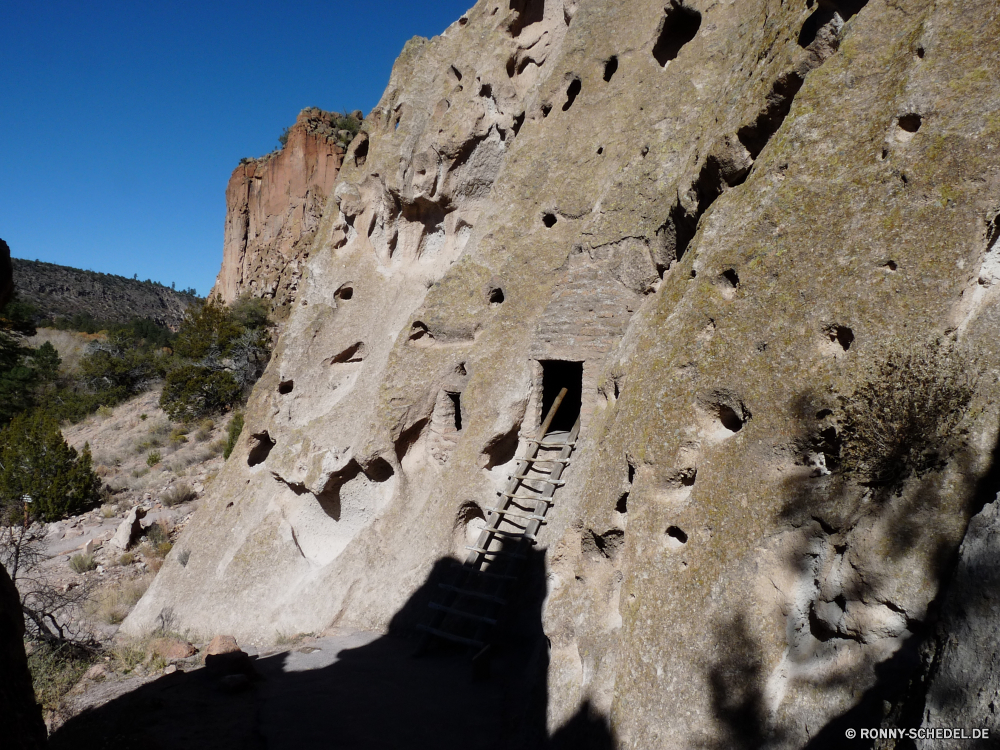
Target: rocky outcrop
point(22, 716)
point(720, 217)
point(273, 208)
point(6, 274)
point(62, 292)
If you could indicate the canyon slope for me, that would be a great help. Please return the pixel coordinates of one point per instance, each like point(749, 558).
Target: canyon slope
point(714, 222)
point(273, 208)
point(62, 291)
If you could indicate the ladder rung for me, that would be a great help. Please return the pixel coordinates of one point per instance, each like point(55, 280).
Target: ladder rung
point(513, 534)
point(517, 514)
point(482, 551)
point(548, 445)
point(460, 613)
point(449, 636)
point(515, 496)
point(545, 460)
point(525, 477)
point(469, 592)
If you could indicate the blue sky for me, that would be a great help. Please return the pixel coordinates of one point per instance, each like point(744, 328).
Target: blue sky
point(122, 121)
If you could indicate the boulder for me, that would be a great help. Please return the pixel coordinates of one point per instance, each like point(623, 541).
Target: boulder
point(222, 644)
point(171, 649)
point(128, 529)
point(224, 657)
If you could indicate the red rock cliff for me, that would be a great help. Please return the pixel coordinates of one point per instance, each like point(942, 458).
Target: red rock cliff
point(273, 206)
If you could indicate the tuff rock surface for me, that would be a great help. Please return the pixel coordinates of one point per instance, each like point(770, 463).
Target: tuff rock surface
point(726, 211)
point(273, 208)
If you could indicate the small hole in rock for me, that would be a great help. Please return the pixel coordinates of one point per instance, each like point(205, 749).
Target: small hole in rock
point(460, 369)
point(823, 413)
point(546, 108)
point(730, 419)
point(501, 448)
point(456, 400)
point(259, 453)
point(528, 12)
point(496, 296)
point(676, 537)
point(610, 68)
point(678, 27)
point(229, 505)
point(885, 154)
point(842, 335)
point(456, 73)
point(418, 330)
point(890, 266)
point(361, 151)
point(462, 21)
point(518, 122)
point(285, 386)
point(731, 277)
point(911, 122)
point(920, 52)
point(486, 91)
point(353, 353)
point(631, 471)
point(572, 92)
point(345, 292)
point(549, 220)
point(622, 505)
point(600, 150)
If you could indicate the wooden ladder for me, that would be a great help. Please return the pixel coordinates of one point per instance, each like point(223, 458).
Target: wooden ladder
point(470, 605)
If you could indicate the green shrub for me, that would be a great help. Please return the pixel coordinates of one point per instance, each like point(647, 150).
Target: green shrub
point(143, 417)
point(192, 391)
point(179, 493)
point(156, 534)
point(82, 563)
point(905, 416)
point(233, 431)
point(153, 458)
point(36, 461)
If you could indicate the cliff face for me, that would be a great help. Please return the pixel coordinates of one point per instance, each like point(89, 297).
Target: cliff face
point(6, 274)
point(22, 716)
point(61, 291)
point(726, 214)
point(273, 207)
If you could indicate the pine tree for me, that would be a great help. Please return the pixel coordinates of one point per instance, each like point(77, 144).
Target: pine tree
point(36, 461)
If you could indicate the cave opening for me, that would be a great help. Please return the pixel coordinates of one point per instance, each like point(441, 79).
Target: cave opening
point(556, 375)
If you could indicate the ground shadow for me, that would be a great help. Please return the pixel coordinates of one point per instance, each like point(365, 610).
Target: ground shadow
point(375, 695)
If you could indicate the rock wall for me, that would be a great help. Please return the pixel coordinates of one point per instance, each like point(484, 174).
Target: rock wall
point(728, 213)
point(6, 274)
point(22, 717)
point(273, 208)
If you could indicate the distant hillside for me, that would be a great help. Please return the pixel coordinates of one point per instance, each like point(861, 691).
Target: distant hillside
point(61, 291)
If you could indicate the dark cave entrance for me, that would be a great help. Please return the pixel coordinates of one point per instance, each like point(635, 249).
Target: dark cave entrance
point(556, 375)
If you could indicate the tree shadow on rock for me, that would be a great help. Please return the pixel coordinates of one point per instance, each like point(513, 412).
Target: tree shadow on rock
point(358, 691)
point(857, 522)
